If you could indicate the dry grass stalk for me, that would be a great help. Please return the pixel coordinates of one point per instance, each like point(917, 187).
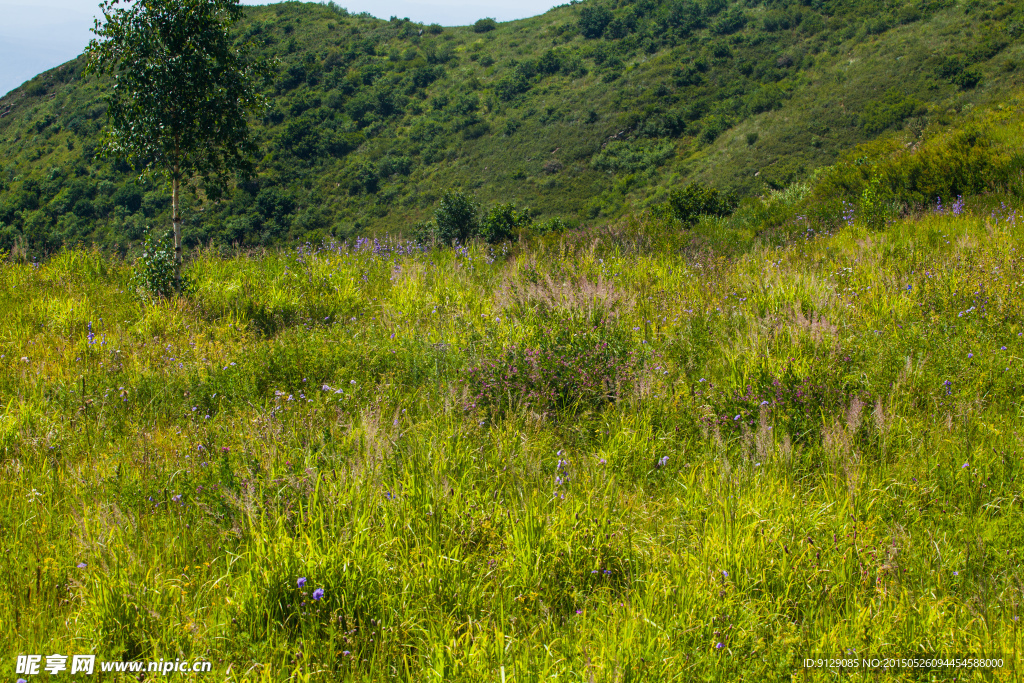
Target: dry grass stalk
point(577, 296)
point(836, 440)
point(816, 326)
point(852, 472)
point(786, 451)
point(881, 423)
point(854, 415)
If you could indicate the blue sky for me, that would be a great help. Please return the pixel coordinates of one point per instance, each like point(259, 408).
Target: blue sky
point(36, 35)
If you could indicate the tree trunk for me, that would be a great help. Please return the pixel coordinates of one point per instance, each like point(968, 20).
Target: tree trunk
point(176, 222)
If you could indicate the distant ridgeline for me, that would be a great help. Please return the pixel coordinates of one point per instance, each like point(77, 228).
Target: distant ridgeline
point(586, 112)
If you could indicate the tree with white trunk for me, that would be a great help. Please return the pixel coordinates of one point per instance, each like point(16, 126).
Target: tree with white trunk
point(181, 94)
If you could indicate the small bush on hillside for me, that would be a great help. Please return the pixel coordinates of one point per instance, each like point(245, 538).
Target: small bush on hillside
point(967, 79)
point(963, 162)
point(484, 25)
point(908, 15)
point(633, 157)
point(553, 224)
point(153, 272)
point(893, 109)
point(456, 218)
point(713, 7)
point(766, 98)
point(812, 24)
point(514, 82)
point(696, 200)
point(594, 19)
point(954, 70)
point(730, 23)
point(476, 130)
point(424, 232)
point(503, 222)
point(776, 20)
point(35, 89)
point(713, 126)
point(877, 204)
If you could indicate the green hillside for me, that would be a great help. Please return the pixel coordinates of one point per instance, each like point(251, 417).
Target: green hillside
point(586, 112)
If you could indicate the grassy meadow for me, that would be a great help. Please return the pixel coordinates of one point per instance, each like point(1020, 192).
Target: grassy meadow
point(622, 454)
point(642, 443)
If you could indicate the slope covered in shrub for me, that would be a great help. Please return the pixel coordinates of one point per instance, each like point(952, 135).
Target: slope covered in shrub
point(588, 112)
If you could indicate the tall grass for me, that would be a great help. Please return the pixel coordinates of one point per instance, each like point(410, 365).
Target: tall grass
point(818, 454)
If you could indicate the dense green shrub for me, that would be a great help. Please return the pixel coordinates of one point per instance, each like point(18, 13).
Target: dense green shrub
point(894, 108)
point(393, 165)
point(550, 62)
point(776, 20)
point(456, 218)
point(621, 26)
point(696, 200)
point(503, 222)
point(731, 22)
point(36, 88)
point(153, 272)
point(684, 16)
point(594, 19)
point(812, 24)
point(877, 204)
point(129, 196)
point(476, 130)
point(513, 83)
point(765, 98)
point(633, 157)
point(553, 224)
point(962, 162)
point(713, 126)
point(484, 25)
point(967, 79)
point(956, 71)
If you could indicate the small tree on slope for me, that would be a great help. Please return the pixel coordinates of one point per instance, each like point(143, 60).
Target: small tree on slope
point(181, 94)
